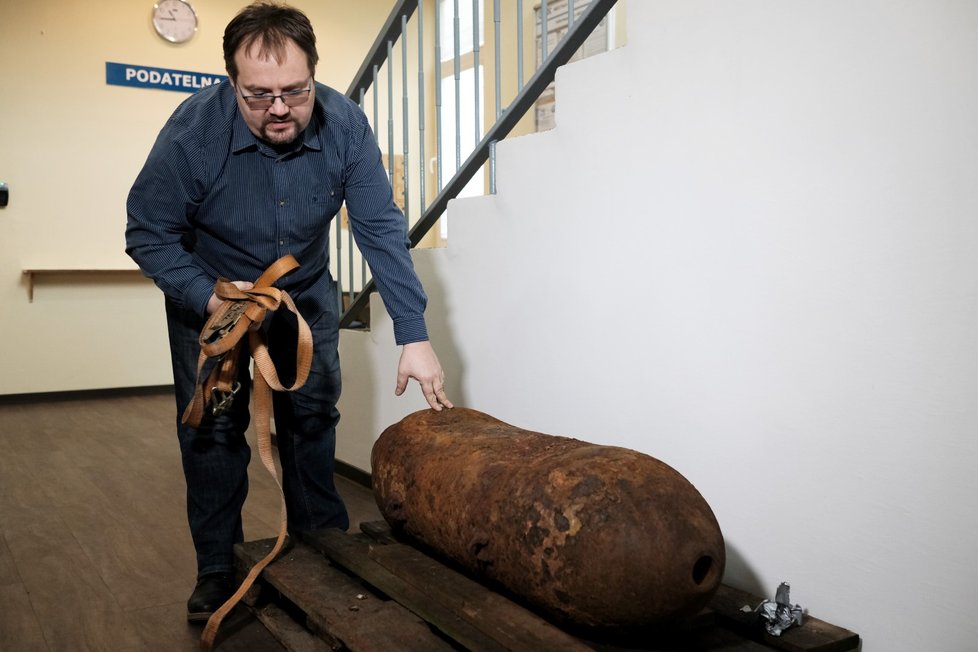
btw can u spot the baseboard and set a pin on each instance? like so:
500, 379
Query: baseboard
85, 394
353, 473
340, 468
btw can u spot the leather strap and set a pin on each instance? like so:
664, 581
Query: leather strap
220, 342
222, 335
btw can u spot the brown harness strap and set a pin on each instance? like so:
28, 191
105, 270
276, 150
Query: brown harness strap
222, 338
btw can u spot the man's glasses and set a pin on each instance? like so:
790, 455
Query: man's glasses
264, 101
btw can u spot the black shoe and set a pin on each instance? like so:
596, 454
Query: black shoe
210, 593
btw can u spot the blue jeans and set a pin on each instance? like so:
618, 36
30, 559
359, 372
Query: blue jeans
216, 455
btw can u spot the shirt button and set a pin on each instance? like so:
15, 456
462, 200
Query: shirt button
281, 202
281, 242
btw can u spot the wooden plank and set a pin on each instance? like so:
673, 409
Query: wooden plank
701, 633
465, 610
379, 531
329, 598
514, 626
353, 554
712, 639
813, 635
293, 636
520, 629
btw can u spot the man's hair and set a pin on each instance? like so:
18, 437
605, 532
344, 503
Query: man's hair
271, 26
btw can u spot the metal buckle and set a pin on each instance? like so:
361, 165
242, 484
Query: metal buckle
221, 401
227, 322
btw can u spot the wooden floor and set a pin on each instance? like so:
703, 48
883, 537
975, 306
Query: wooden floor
95, 552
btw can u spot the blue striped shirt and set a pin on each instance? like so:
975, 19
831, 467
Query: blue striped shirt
214, 201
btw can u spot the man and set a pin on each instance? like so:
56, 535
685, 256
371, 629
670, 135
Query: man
242, 174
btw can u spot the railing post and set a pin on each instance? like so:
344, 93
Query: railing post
405, 169
519, 44
475, 70
422, 172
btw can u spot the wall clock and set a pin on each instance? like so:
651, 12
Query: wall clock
174, 20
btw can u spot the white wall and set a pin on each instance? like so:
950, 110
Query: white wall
748, 249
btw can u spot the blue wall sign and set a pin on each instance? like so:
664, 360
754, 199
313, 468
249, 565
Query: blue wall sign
125, 74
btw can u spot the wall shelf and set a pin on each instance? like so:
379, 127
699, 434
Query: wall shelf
35, 273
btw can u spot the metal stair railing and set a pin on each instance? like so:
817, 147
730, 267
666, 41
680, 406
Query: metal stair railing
582, 18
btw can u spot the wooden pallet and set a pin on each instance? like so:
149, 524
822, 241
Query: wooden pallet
368, 592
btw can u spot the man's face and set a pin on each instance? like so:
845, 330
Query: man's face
278, 124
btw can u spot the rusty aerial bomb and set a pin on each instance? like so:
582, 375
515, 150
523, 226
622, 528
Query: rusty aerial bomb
593, 536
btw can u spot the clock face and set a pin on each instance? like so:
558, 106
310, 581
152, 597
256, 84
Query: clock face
174, 20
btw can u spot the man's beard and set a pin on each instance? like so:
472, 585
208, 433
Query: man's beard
280, 137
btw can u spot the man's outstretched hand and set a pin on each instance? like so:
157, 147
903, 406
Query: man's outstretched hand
418, 361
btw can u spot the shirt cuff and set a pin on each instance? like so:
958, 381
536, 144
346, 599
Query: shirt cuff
198, 294
410, 330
